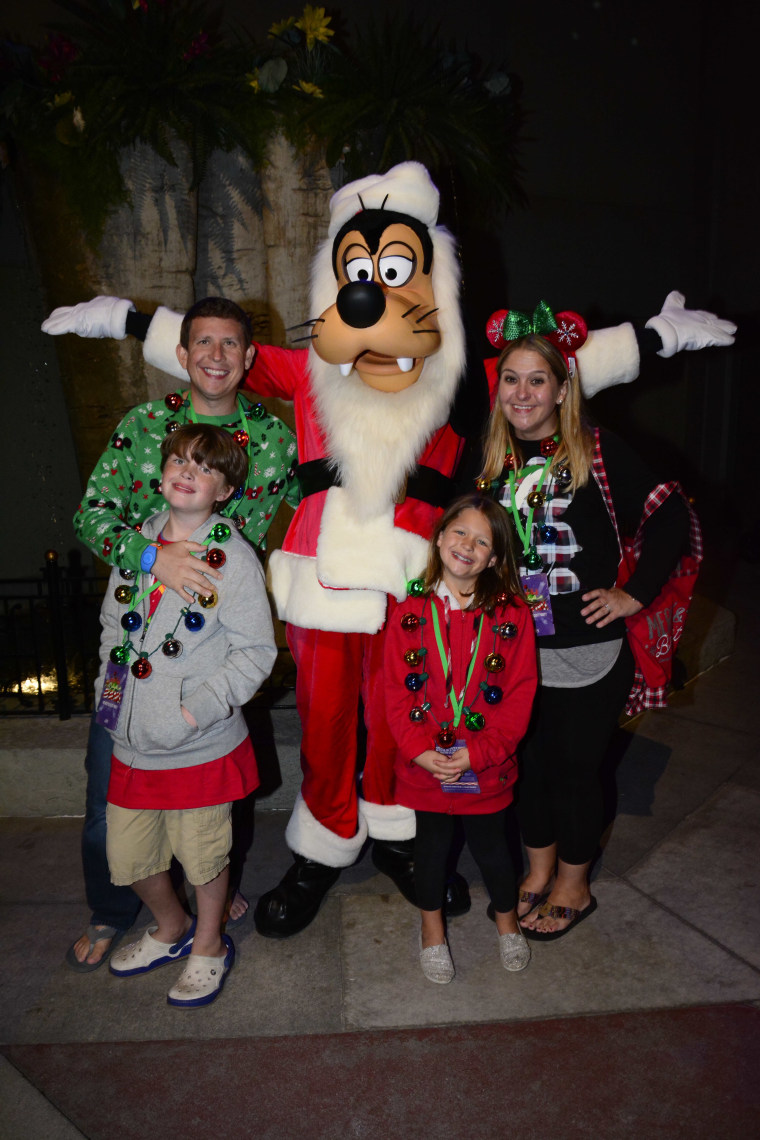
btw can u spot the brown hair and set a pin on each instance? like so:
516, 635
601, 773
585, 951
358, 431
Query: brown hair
220, 308
205, 443
576, 444
500, 578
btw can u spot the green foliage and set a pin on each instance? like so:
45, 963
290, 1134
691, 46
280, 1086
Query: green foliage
396, 94
159, 72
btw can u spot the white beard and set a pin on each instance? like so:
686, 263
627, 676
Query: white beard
375, 438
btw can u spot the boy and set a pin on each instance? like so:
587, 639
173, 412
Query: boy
173, 678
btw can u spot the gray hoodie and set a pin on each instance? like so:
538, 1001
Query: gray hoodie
220, 668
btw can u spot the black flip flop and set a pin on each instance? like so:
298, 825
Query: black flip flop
552, 935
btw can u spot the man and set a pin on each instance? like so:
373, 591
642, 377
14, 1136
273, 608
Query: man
124, 489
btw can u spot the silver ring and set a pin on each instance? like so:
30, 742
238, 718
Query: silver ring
606, 606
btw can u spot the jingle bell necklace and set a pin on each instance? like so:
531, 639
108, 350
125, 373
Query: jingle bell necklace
414, 682
131, 622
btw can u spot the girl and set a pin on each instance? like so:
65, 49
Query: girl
570, 490
460, 675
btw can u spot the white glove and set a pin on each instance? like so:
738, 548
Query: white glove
681, 328
101, 317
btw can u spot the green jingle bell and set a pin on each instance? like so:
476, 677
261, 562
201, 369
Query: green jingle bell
415, 588
123, 595
533, 560
220, 532
258, 411
474, 721
119, 655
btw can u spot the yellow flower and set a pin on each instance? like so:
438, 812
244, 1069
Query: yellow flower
282, 26
63, 98
308, 89
313, 24
252, 79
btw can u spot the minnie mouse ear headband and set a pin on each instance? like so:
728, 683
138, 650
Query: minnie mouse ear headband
567, 331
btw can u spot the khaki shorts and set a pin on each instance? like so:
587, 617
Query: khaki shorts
140, 843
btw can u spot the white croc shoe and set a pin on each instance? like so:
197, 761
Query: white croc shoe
202, 979
149, 954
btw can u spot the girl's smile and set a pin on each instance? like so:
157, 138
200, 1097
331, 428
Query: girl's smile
466, 550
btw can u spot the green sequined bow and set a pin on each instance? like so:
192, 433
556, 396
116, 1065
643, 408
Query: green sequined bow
520, 324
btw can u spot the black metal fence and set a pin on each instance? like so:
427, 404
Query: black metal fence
49, 638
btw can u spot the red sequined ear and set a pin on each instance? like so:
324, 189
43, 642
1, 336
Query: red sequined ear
570, 334
495, 326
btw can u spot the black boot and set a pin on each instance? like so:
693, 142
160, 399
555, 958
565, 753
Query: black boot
396, 860
294, 902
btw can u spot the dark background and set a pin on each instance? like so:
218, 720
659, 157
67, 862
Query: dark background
640, 162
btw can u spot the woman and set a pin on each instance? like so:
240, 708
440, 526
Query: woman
569, 490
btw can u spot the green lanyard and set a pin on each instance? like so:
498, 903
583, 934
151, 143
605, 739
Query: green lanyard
457, 705
525, 532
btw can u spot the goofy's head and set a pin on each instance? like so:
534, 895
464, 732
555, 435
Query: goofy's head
386, 284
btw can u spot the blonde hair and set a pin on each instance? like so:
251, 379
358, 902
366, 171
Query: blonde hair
576, 445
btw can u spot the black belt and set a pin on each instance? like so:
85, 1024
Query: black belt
424, 483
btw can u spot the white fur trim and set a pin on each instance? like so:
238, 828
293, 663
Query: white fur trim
160, 347
306, 836
388, 821
609, 357
302, 601
366, 553
405, 189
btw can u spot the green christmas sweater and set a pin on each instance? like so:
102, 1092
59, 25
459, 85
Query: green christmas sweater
123, 490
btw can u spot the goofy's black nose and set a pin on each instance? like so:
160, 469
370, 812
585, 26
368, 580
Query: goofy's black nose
361, 304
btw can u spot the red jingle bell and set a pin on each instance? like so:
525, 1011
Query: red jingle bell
240, 437
216, 557
141, 668
410, 621
447, 738
173, 401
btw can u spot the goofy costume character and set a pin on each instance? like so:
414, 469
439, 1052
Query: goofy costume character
383, 400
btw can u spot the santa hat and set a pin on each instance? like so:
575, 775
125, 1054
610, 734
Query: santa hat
405, 189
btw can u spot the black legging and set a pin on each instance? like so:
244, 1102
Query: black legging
559, 796
486, 837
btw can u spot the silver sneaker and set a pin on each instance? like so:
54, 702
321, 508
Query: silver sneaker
437, 965
514, 951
